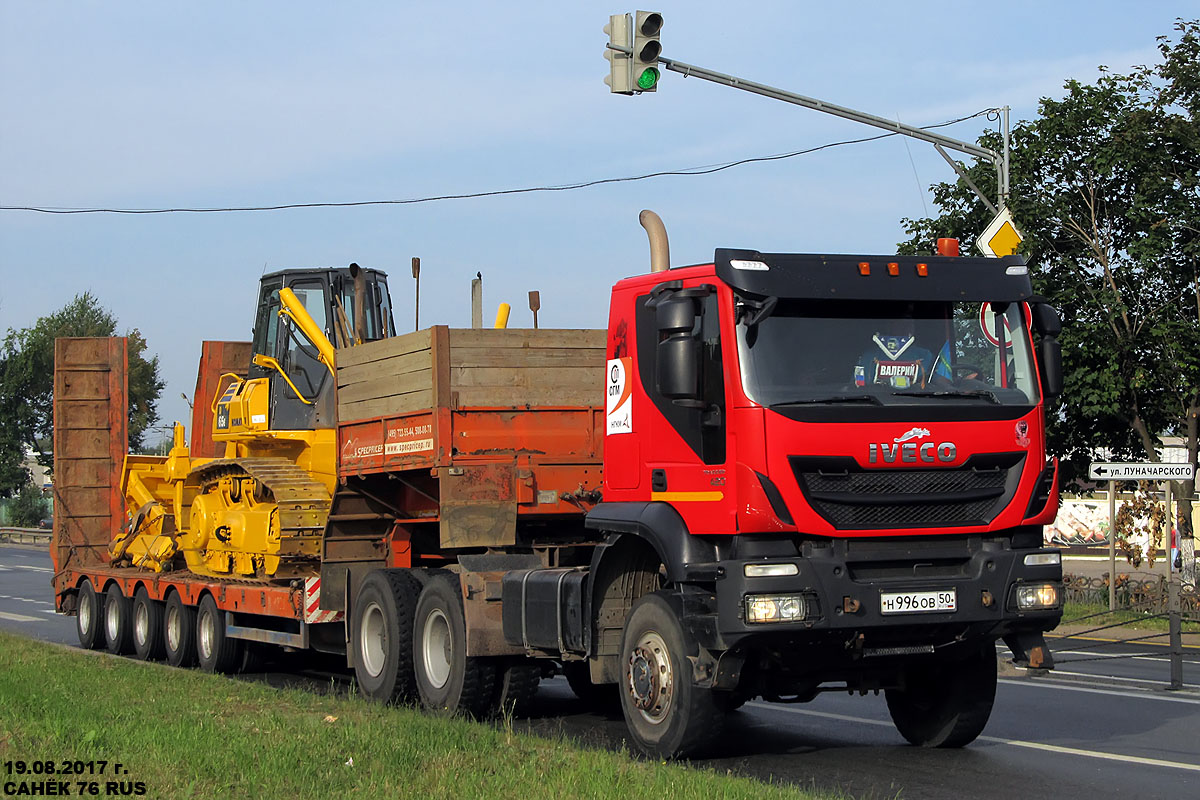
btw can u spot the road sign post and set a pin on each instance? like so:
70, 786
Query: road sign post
1148, 471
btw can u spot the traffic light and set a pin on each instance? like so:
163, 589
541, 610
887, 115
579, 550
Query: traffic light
646, 50
620, 76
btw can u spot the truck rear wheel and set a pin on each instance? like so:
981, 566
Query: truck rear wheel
118, 625
147, 626
448, 680
515, 686
88, 618
215, 651
946, 704
179, 632
668, 716
382, 635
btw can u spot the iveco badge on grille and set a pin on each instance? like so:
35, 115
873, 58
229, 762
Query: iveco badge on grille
912, 453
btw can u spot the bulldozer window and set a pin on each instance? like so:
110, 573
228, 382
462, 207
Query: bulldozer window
301, 361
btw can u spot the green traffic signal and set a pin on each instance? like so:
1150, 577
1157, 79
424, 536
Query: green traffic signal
648, 79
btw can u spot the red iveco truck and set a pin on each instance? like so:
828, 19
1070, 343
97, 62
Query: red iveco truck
774, 475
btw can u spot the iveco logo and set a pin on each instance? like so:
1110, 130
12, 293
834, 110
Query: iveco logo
911, 452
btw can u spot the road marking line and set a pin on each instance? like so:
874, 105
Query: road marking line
26, 566
1062, 637
1119, 678
1053, 748
18, 617
1042, 683
1095, 655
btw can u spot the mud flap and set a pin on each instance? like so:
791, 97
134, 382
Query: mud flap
1029, 650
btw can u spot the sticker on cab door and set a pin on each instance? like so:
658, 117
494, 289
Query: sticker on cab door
619, 404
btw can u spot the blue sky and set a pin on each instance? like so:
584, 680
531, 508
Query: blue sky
160, 104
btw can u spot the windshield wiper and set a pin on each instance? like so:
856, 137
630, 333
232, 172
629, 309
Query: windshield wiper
982, 394
833, 398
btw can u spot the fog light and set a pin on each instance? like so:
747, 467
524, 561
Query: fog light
770, 570
1037, 595
774, 607
1043, 559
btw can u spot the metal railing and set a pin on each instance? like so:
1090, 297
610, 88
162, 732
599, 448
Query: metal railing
36, 536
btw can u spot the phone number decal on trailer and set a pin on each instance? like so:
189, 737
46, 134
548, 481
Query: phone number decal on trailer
915, 602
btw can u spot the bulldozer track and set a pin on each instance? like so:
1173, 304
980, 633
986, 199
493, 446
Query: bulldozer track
303, 502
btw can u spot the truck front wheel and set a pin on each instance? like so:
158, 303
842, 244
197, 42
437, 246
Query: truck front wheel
382, 635
448, 680
668, 716
947, 703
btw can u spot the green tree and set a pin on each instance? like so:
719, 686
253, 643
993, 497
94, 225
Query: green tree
27, 384
28, 508
1106, 189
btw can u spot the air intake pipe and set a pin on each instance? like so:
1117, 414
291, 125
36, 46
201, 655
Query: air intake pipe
660, 252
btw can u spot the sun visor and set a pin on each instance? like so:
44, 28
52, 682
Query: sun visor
850, 277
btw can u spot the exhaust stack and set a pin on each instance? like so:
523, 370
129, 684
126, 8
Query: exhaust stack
660, 251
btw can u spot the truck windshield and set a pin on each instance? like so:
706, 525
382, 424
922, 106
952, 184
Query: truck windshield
889, 353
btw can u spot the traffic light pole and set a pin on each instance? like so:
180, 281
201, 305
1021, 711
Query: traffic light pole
940, 142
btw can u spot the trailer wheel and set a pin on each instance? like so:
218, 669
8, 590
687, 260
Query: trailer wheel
516, 684
88, 618
448, 680
179, 632
215, 651
118, 621
382, 635
946, 704
668, 716
147, 626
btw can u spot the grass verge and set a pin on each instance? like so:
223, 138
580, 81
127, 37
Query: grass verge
1096, 615
184, 734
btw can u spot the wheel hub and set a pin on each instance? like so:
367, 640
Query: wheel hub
141, 624
651, 682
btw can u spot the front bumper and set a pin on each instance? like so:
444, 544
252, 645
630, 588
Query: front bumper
843, 582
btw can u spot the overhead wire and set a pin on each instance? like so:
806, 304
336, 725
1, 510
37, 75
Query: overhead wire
687, 171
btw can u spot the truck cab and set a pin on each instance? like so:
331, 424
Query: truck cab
840, 463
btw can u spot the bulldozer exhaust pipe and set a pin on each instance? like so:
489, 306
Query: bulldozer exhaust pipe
360, 303
660, 251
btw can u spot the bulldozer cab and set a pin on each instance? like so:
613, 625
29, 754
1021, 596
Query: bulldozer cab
348, 305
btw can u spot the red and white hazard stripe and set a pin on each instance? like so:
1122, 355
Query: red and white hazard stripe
312, 604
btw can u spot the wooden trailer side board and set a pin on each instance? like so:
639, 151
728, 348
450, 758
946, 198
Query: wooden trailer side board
91, 425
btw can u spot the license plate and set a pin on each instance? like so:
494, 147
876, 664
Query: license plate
917, 602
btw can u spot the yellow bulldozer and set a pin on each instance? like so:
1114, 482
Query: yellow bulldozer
259, 511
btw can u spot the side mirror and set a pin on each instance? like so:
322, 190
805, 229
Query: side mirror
1050, 356
1046, 320
677, 373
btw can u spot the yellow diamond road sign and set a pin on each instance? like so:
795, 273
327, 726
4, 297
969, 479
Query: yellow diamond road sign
1000, 237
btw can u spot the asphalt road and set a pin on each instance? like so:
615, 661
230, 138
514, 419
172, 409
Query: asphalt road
1101, 727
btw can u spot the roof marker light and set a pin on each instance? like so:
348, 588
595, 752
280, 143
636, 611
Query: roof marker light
893, 269
923, 270
864, 268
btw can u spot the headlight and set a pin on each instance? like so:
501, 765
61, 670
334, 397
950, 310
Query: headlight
1043, 559
770, 570
1031, 596
775, 607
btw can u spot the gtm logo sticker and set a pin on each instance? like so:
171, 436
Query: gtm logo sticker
619, 396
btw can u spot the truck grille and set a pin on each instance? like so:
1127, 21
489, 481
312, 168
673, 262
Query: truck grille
850, 497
